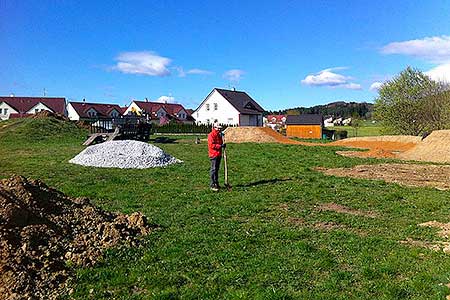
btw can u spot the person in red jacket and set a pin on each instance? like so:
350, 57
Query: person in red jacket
215, 145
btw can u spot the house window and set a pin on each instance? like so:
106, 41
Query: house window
215, 106
230, 120
5, 111
0, 111
36, 110
207, 106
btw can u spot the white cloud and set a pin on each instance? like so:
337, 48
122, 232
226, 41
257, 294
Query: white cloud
375, 86
331, 79
144, 62
183, 73
234, 75
166, 99
435, 49
440, 73
199, 72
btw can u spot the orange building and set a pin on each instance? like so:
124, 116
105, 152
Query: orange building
307, 126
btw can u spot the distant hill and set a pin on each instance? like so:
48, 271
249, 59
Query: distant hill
336, 109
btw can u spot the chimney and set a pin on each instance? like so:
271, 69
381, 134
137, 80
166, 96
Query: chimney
146, 99
84, 101
234, 89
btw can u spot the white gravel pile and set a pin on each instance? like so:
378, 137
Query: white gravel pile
125, 155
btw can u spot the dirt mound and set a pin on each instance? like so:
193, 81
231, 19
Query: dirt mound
42, 230
256, 135
388, 146
434, 148
405, 174
48, 114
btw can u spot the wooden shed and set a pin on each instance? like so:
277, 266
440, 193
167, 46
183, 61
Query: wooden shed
306, 126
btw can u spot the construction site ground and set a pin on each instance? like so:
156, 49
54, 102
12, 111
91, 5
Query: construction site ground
284, 231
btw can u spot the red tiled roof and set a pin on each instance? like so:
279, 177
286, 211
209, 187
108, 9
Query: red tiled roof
153, 107
278, 118
24, 104
18, 116
102, 109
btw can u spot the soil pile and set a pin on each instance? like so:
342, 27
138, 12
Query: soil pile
41, 230
255, 135
379, 146
48, 114
434, 148
437, 176
124, 154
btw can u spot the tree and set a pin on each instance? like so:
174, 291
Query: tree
356, 123
411, 104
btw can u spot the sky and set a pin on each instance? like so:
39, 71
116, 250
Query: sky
282, 53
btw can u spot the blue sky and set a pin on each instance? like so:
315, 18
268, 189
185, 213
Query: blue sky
283, 53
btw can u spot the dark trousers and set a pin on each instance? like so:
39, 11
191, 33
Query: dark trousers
214, 172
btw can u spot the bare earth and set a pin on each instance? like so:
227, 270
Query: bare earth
437, 176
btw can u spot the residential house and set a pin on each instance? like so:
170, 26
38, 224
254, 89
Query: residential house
306, 126
160, 113
328, 122
19, 107
276, 122
87, 111
229, 107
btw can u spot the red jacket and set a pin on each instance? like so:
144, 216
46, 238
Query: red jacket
214, 144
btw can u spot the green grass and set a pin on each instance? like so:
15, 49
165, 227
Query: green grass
258, 241
367, 129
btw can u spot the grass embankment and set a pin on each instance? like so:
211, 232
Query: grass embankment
265, 239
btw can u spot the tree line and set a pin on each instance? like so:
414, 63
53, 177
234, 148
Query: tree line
336, 109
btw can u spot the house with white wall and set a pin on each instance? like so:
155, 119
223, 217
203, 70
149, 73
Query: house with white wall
229, 107
84, 110
19, 107
160, 113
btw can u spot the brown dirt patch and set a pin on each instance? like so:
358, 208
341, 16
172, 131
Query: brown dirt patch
48, 114
444, 228
346, 210
437, 176
378, 147
41, 230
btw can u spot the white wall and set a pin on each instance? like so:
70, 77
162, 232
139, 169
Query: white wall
132, 108
225, 113
10, 110
71, 113
39, 107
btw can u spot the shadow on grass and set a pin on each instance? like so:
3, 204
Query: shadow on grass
164, 140
264, 181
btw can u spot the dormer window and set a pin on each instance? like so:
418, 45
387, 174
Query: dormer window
207, 107
215, 106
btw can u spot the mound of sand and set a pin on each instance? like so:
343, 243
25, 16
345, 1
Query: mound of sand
255, 135
41, 230
434, 148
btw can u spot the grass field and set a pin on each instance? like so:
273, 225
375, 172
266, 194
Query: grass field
367, 129
265, 239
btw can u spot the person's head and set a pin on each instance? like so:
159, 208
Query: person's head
217, 126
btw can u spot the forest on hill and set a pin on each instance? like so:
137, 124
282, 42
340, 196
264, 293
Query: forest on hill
336, 109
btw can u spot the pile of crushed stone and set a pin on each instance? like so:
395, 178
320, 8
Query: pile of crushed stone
42, 230
124, 154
